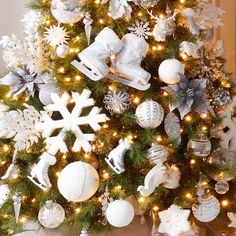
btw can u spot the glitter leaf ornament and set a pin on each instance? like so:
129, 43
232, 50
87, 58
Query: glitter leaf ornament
172, 127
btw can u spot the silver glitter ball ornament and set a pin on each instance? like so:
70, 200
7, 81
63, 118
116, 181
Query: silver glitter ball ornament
51, 215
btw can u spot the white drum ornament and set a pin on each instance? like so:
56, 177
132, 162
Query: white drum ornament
120, 213
45, 93
51, 215
169, 70
78, 181
62, 51
67, 11
207, 210
149, 114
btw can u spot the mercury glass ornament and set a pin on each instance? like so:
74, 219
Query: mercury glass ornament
51, 215
223, 158
222, 187
157, 154
200, 146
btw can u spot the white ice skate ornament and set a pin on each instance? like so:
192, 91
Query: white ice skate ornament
116, 157
155, 177
93, 58
190, 49
119, 8
126, 65
87, 26
189, 14
127, 56
39, 173
163, 27
70, 122
227, 131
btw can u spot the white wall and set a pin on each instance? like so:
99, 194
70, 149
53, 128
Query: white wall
11, 12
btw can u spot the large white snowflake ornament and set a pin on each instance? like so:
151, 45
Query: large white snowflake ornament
20, 125
56, 35
70, 122
174, 221
141, 29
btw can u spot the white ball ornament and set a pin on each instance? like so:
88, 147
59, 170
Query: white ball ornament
67, 11
207, 209
4, 194
62, 51
45, 93
149, 114
51, 215
78, 181
169, 70
120, 213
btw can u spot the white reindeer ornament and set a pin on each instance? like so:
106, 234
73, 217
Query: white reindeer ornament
116, 157
39, 173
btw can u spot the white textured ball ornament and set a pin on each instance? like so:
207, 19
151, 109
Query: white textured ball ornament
67, 11
120, 213
62, 51
169, 70
45, 93
207, 210
51, 215
78, 181
149, 114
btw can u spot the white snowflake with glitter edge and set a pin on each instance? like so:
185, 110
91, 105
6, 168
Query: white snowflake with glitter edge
56, 35
174, 221
20, 125
141, 29
70, 122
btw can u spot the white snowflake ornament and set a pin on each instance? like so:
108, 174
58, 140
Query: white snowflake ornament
174, 221
56, 35
70, 122
141, 29
20, 125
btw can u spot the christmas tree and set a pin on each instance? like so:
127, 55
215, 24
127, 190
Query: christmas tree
112, 109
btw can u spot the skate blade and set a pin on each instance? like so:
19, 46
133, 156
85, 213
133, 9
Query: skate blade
113, 167
116, 77
37, 183
8, 172
85, 70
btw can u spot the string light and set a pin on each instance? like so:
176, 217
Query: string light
140, 14
61, 70
5, 148
23, 219
155, 208
188, 118
224, 203
67, 79
106, 175
141, 200
204, 128
78, 77
57, 174
136, 100
192, 162
165, 94
204, 115
101, 21
118, 187
188, 195
97, 1
8, 95
64, 156
159, 138
182, 1
105, 126
77, 210
100, 199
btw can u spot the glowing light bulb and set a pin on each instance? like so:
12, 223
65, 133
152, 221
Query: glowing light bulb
225, 203
5, 148
77, 210
141, 200
188, 118
155, 208
188, 195
61, 70
192, 162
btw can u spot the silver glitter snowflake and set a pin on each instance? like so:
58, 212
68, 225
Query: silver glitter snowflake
116, 102
141, 29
